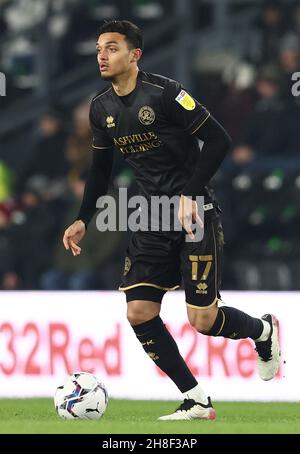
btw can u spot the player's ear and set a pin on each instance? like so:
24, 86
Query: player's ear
136, 55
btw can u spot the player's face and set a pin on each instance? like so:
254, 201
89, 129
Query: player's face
113, 55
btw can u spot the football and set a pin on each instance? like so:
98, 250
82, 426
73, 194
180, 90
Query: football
81, 396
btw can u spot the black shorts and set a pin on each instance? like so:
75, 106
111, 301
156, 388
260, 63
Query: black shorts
160, 261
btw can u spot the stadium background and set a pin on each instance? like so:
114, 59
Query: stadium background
237, 58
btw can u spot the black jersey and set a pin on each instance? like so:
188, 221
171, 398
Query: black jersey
153, 127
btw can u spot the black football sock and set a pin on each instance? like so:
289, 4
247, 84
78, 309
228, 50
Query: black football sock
235, 324
162, 349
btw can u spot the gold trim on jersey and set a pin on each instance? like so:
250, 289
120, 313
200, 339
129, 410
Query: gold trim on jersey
154, 85
148, 284
215, 301
101, 94
193, 132
222, 322
216, 260
101, 148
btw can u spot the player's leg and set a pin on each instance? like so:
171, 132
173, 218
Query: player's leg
226, 322
151, 268
235, 324
207, 318
158, 343
160, 346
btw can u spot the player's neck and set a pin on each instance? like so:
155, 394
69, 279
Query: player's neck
126, 83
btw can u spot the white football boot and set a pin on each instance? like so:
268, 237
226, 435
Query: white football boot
190, 409
268, 359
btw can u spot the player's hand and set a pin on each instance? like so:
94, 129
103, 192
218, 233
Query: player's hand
73, 235
188, 214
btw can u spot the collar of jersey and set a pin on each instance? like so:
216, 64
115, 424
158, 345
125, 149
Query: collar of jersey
132, 94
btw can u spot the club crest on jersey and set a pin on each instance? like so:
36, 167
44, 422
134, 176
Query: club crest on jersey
146, 115
110, 123
127, 266
185, 100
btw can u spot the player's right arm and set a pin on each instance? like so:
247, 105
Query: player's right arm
96, 184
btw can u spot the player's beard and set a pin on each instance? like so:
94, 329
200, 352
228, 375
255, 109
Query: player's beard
113, 77
106, 77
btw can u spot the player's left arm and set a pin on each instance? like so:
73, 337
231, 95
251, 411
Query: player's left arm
216, 144
188, 114
215, 147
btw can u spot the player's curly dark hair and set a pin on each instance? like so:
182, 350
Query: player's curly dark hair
133, 34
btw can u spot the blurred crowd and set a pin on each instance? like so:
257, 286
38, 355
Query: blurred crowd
252, 94
67, 27
258, 185
40, 201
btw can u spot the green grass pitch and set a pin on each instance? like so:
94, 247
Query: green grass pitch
37, 416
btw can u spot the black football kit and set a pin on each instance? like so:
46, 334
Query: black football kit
157, 128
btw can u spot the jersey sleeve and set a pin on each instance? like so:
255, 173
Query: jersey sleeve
182, 109
101, 139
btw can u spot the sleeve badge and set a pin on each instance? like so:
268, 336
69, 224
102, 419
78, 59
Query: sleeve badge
185, 100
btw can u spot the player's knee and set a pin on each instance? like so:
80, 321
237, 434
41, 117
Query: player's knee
137, 313
203, 320
202, 325
136, 318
